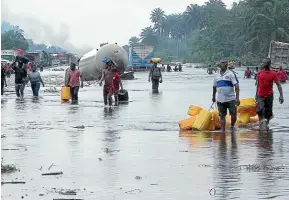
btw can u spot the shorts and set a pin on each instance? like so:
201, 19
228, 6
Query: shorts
265, 106
231, 105
107, 89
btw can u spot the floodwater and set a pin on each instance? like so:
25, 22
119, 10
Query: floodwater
135, 151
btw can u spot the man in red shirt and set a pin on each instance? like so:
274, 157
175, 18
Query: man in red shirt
265, 96
73, 82
116, 82
282, 75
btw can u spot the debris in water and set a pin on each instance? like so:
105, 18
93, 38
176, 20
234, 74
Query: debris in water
184, 151
8, 168
52, 173
68, 199
135, 191
40, 168
138, 177
81, 127
12, 182
154, 184
99, 159
50, 166
68, 192
41, 194
3, 136
212, 191
10, 149
107, 150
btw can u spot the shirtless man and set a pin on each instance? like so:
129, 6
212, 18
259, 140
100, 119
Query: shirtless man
107, 77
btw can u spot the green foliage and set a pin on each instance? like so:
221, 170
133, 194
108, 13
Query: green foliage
212, 32
14, 39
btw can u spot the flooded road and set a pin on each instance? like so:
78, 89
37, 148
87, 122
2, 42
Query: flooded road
135, 151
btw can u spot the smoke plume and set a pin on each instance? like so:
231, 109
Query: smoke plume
41, 32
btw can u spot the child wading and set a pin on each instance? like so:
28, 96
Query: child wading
35, 80
116, 83
73, 82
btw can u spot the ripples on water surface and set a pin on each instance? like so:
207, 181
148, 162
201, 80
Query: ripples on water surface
102, 150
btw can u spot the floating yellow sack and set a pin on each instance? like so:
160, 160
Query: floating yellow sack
65, 93
186, 124
244, 118
194, 110
254, 119
202, 120
247, 105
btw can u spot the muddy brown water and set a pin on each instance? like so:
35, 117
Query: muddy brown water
135, 151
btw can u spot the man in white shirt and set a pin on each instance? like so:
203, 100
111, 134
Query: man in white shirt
226, 85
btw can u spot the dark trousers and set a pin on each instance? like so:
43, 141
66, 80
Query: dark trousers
265, 106
2, 87
20, 89
155, 84
74, 93
35, 86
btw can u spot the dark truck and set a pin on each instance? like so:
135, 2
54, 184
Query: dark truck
279, 55
41, 58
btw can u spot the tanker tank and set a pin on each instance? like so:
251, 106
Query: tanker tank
91, 65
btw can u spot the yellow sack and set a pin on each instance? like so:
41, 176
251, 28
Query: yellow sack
247, 105
254, 119
202, 120
244, 118
186, 124
65, 93
194, 110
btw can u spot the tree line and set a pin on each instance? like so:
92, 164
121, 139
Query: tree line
212, 32
14, 37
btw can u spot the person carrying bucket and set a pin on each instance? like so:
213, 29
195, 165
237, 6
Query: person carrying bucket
116, 82
107, 77
227, 98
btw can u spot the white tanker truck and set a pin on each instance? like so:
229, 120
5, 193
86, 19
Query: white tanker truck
91, 65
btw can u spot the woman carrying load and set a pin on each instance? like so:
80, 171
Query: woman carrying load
35, 80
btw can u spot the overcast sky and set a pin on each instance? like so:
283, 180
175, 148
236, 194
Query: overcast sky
86, 23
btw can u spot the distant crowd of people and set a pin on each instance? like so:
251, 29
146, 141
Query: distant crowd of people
281, 73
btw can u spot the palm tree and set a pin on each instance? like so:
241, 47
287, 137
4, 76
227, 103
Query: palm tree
158, 17
193, 16
148, 36
133, 41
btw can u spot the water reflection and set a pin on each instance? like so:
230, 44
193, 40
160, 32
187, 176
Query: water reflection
72, 109
226, 174
265, 153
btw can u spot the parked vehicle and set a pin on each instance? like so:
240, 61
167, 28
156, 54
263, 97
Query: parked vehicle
139, 57
279, 55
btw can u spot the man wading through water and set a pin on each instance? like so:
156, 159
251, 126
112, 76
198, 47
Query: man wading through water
107, 77
73, 82
265, 96
20, 78
156, 76
227, 97
3, 79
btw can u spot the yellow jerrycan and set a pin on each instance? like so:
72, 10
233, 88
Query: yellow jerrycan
65, 93
186, 124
